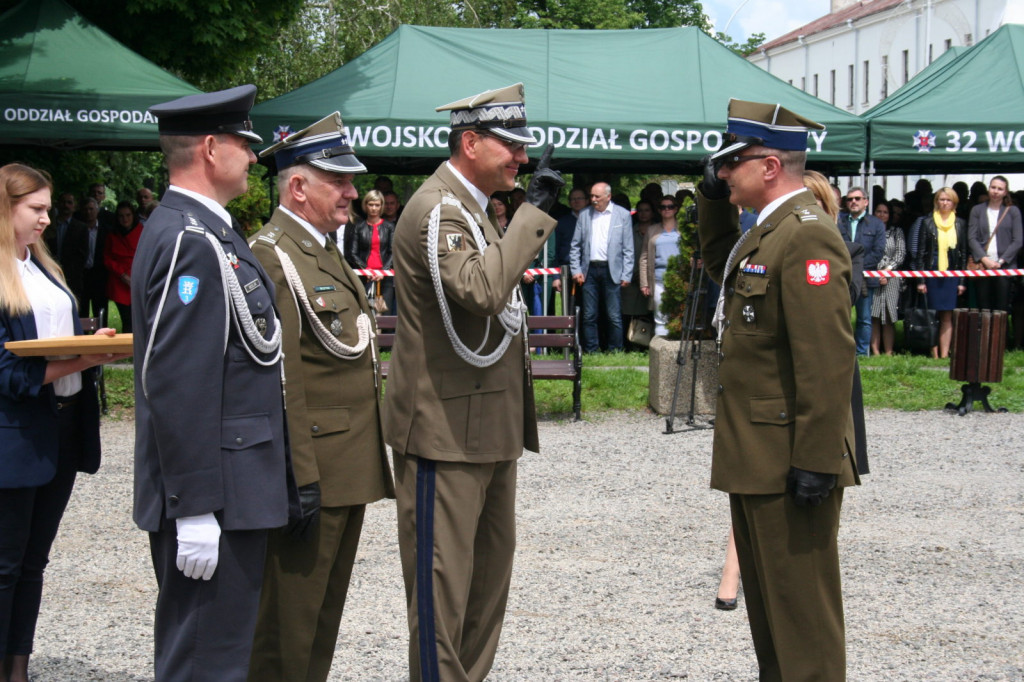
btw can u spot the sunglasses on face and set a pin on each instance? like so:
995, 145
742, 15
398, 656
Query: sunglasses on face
668, 207
731, 162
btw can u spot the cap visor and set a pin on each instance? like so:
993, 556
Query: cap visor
345, 163
734, 147
249, 135
520, 135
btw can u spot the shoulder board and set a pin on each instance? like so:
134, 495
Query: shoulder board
270, 236
806, 215
192, 224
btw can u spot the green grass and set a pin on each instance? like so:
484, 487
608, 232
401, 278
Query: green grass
618, 381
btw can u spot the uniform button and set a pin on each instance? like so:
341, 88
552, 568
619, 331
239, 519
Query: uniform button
174, 499
730, 291
316, 429
540, 233
721, 389
238, 441
477, 386
728, 323
721, 356
259, 305
748, 287
782, 415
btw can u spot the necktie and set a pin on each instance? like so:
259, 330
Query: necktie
719, 318
333, 250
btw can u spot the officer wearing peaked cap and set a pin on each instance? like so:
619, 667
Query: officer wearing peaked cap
459, 403
333, 405
211, 469
783, 430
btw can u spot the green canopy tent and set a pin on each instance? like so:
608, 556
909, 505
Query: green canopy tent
627, 101
961, 115
65, 83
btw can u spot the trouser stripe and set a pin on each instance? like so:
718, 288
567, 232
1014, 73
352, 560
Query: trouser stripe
425, 485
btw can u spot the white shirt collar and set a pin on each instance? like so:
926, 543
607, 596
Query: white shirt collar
767, 210
316, 234
481, 198
206, 201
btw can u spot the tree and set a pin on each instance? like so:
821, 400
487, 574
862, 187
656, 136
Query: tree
742, 49
196, 40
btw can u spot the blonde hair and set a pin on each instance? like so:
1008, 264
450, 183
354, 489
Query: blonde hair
822, 190
373, 195
17, 181
950, 194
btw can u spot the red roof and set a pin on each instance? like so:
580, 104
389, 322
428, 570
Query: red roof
858, 10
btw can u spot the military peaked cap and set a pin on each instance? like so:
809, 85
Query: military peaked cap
499, 112
764, 125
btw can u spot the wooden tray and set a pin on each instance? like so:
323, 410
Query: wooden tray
72, 345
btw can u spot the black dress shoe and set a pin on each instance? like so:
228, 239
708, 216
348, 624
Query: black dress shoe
726, 604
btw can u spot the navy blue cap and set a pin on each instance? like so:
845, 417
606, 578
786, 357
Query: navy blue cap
764, 125
323, 145
209, 113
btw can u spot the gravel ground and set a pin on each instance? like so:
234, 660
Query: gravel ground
620, 548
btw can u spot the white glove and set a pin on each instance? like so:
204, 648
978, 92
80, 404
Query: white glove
198, 545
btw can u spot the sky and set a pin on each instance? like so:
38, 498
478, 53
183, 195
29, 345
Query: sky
774, 18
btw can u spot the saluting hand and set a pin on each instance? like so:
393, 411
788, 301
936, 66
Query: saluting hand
545, 184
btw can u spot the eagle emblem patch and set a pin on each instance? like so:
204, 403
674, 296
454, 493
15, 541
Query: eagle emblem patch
454, 242
817, 272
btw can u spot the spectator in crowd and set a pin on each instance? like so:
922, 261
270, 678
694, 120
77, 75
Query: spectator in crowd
622, 199
392, 207
979, 193
94, 273
502, 208
564, 231
515, 199
994, 237
601, 261
49, 409
885, 304
862, 227
98, 191
963, 207
118, 255
67, 238
635, 303
651, 193
939, 242
145, 203
919, 200
662, 243
368, 246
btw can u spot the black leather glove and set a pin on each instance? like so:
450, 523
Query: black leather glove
545, 184
809, 488
309, 511
712, 187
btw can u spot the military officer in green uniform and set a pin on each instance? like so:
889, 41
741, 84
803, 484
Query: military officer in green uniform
459, 401
332, 405
783, 429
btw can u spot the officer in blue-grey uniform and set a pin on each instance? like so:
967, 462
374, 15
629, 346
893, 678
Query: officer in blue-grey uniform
211, 468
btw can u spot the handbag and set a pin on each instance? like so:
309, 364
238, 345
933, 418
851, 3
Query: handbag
380, 306
921, 326
976, 265
641, 330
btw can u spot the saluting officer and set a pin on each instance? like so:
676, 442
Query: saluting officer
459, 402
783, 428
332, 399
210, 462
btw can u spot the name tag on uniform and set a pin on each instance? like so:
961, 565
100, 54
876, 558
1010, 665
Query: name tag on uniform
252, 286
325, 288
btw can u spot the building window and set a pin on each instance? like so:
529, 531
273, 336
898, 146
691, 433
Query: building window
790, 81
948, 44
931, 49
850, 75
832, 85
885, 76
867, 67
815, 85
906, 66
968, 39
803, 83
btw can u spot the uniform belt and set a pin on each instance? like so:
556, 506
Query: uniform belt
66, 401
599, 262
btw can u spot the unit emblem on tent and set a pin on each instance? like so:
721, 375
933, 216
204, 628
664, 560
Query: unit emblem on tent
281, 132
924, 141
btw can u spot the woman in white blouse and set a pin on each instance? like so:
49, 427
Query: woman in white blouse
49, 417
995, 236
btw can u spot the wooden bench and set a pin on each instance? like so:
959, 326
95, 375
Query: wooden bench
559, 333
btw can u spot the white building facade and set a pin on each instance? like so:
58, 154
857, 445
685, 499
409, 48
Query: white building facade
862, 52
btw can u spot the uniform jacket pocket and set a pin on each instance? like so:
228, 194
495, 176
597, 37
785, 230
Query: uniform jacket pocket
240, 433
778, 410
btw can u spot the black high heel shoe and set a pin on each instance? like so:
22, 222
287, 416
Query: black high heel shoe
726, 604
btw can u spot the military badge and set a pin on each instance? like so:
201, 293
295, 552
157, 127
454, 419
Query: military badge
308, 244
455, 242
817, 272
261, 324
233, 259
188, 288
748, 314
319, 300
336, 326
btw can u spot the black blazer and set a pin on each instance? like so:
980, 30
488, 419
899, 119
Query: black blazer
924, 241
28, 410
358, 240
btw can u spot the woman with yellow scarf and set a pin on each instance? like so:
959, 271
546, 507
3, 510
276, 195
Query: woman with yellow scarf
939, 242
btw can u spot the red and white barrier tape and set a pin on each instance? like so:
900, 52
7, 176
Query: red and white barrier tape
943, 273
391, 273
